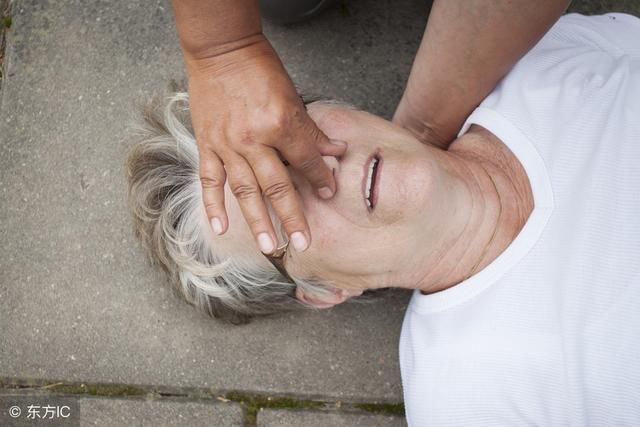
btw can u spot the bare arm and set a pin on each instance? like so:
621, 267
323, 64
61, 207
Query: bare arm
208, 28
467, 47
246, 115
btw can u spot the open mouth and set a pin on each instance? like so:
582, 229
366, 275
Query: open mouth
372, 168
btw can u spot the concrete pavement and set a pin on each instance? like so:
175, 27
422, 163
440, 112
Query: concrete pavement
79, 303
83, 315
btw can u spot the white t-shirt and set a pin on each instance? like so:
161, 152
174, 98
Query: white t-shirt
549, 333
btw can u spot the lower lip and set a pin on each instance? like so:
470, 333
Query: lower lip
376, 178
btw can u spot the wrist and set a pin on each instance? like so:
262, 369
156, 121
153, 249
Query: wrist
212, 27
230, 56
420, 122
209, 50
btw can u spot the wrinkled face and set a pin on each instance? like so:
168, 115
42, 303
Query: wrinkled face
375, 224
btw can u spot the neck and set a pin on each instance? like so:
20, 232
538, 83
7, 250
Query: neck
491, 192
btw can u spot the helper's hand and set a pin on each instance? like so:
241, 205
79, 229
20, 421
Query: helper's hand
247, 118
466, 49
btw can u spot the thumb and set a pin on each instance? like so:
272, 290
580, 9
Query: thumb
303, 153
334, 147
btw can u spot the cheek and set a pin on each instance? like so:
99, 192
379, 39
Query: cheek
339, 250
331, 239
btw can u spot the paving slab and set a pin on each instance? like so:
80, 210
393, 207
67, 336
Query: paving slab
78, 301
291, 418
113, 412
109, 412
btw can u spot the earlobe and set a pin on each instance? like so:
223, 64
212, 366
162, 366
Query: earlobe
337, 296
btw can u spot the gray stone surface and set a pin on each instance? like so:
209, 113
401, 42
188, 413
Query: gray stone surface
109, 412
78, 302
291, 418
112, 412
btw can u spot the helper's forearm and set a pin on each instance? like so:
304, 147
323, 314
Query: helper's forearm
468, 46
211, 27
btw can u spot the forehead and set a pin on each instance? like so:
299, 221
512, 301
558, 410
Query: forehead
345, 123
337, 119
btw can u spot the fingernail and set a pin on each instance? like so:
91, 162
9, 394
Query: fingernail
325, 193
216, 224
299, 241
338, 142
265, 243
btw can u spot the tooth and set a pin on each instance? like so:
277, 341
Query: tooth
372, 165
369, 176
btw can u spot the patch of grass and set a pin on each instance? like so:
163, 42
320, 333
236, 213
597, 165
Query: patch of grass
382, 408
109, 390
5, 24
254, 402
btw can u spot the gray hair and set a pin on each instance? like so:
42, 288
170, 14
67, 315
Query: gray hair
165, 200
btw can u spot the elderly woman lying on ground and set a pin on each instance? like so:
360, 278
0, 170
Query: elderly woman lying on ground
522, 240
406, 215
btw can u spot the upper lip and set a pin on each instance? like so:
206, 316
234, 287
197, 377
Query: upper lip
374, 157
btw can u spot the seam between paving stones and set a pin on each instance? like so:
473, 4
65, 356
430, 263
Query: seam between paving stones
6, 21
7, 8
251, 402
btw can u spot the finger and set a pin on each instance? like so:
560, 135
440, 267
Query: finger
276, 185
302, 153
245, 188
335, 148
212, 179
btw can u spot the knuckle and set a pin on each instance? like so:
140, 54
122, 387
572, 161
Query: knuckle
233, 138
255, 223
211, 206
208, 139
246, 137
315, 134
245, 191
202, 134
211, 182
277, 190
287, 114
279, 120
211, 149
290, 222
312, 163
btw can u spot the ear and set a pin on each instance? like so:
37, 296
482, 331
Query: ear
337, 296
